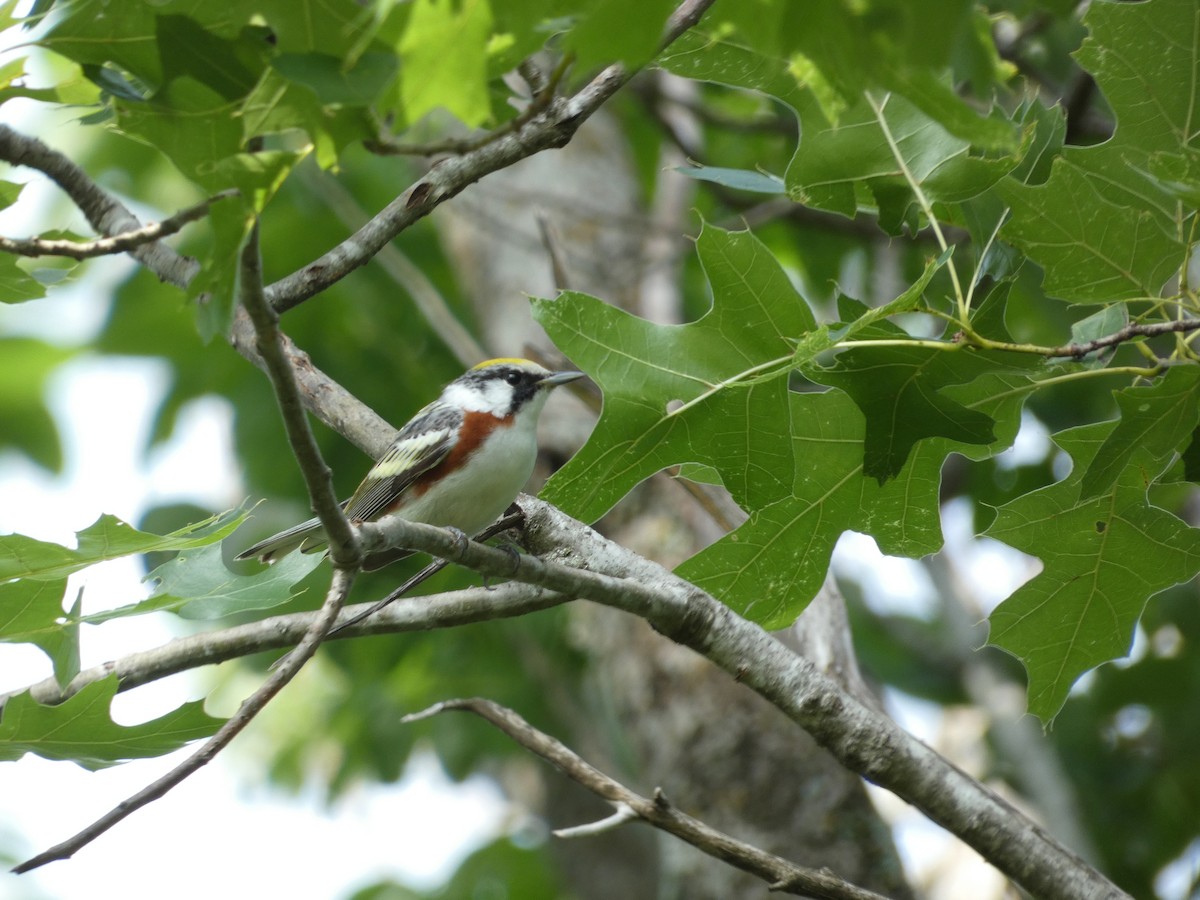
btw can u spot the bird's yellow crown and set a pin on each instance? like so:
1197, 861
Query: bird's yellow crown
502, 361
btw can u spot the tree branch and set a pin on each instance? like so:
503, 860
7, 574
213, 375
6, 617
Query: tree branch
124, 242
424, 613
552, 126
346, 557
779, 873
108, 215
1130, 331
860, 738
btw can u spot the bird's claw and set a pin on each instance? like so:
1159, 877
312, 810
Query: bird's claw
461, 541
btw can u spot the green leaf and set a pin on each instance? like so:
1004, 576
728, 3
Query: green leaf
770, 567
26, 425
304, 26
1134, 52
1155, 420
624, 31
95, 33
197, 585
1094, 246
721, 61
773, 565
229, 68
444, 54
326, 77
31, 612
16, 285
1102, 227
81, 729
107, 538
738, 179
728, 370
899, 390
835, 158
1103, 558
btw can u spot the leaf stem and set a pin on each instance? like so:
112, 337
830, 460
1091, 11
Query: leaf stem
964, 303
729, 382
1077, 376
902, 342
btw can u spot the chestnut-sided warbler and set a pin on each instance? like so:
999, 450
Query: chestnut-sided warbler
459, 462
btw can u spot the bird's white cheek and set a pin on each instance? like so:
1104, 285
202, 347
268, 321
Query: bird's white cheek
491, 397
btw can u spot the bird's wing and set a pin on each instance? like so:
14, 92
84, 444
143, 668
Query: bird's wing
421, 444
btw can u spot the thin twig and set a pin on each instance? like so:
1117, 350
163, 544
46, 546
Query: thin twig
558, 268
779, 873
1082, 349
427, 612
104, 212
124, 242
1130, 331
552, 126
316, 474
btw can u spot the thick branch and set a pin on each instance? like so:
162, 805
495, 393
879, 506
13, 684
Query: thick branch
860, 738
782, 875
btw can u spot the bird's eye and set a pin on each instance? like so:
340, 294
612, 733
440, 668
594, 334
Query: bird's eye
513, 378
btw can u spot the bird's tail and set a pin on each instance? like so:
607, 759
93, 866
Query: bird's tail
307, 537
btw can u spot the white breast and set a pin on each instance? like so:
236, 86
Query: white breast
473, 496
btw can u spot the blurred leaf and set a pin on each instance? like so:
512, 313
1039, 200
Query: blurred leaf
197, 585
107, 538
26, 423
618, 31
444, 53
326, 77
738, 179
16, 285
1129, 744
81, 730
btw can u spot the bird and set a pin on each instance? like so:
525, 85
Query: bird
457, 463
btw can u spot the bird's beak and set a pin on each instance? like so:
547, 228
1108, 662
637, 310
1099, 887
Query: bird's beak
551, 381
